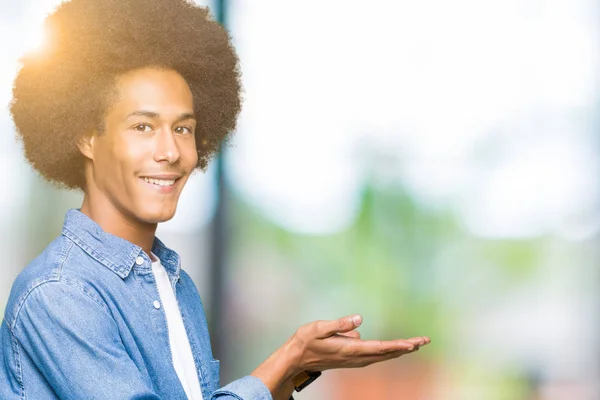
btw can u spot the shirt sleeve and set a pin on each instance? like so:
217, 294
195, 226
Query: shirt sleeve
74, 341
246, 388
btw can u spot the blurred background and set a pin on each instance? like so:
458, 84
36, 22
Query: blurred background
432, 165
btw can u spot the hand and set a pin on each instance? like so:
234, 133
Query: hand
287, 389
323, 345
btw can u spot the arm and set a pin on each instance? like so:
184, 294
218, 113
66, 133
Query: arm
318, 346
75, 344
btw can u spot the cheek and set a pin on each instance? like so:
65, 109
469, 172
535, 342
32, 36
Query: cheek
106, 158
121, 161
189, 157
133, 158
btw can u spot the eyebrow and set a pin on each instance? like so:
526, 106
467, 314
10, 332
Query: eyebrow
152, 114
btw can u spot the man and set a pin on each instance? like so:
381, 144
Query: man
128, 99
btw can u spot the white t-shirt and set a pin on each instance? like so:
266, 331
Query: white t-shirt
183, 360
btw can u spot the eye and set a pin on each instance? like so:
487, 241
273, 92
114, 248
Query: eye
184, 129
143, 128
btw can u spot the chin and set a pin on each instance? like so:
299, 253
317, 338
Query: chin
157, 216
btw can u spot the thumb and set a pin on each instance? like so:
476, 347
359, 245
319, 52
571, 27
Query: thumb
342, 325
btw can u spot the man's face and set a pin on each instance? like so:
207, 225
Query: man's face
148, 149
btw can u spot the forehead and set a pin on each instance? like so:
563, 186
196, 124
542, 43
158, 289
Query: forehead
160, 90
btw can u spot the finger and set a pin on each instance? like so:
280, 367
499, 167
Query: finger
426, 339
388, 356
352, 334
377, 347
368, 360
343, 325
419, 341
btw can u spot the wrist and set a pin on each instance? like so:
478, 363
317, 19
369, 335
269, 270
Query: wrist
280, 367
292, 352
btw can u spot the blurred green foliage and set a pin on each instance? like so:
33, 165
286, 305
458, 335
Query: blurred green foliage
401, 263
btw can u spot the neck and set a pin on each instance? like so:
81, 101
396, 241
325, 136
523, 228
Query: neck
100, 210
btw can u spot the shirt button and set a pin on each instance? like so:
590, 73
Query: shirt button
139, 260
156, 304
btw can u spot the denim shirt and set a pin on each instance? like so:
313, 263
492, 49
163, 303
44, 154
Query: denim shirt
83, 322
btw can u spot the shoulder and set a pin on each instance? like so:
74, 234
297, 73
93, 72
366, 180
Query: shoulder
185, 277
187, 293
187, 283
49, 273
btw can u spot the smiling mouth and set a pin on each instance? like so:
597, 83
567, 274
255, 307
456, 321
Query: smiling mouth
160, 182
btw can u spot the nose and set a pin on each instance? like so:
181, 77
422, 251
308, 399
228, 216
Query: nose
165, 148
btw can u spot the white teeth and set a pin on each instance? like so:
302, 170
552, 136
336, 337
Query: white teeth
160, 182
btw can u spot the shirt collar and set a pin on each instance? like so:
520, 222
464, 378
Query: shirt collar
115, 253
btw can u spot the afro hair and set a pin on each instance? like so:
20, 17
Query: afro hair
63, 92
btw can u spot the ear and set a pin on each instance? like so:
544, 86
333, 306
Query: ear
85, 144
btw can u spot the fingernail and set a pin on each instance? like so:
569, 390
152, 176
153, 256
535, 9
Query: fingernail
357, 319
